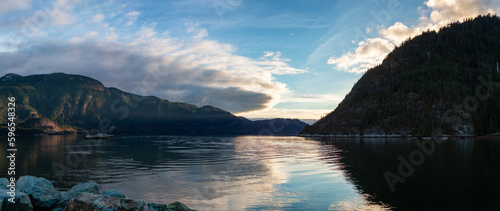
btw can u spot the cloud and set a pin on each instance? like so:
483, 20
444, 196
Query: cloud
84, 38
62, 12
98, 18
318, 105
10, 5
194, 69
398, 32
201, 34
316, 98
132, 17
439, 13
275, 63
366, 55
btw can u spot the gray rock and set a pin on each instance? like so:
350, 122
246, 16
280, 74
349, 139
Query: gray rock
40, 190
22, 201
3, 183
89, 187
91, 202
114, 193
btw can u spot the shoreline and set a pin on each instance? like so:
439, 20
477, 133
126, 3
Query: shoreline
443, 137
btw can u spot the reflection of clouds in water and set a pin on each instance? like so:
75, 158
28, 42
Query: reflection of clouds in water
247, 181
358, 202
243, 173
257, 177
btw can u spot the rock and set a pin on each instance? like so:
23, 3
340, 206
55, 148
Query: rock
40, 190
114, 193
158, 207
3, 183
177, 206
91, 202
89, 187
22, 201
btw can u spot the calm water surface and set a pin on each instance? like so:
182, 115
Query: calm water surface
273, 173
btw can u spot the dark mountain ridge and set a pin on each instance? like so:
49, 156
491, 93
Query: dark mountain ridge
64, 103
437, 83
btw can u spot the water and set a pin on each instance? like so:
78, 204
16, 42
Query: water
273, 173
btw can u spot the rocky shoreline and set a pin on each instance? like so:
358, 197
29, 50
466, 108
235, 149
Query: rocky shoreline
37, 193
441, 137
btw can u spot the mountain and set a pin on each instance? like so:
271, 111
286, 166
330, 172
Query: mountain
437, 83
64, 103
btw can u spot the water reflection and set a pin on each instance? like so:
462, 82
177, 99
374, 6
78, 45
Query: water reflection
458, 175
207, 173
268, 173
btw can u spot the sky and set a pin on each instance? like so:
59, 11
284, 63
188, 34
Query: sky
254, 58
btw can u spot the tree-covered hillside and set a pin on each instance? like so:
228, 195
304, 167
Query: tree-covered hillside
443, 82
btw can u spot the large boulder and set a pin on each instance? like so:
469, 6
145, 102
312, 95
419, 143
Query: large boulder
40, 190
88, 187
114, 193
22, 201
91, 202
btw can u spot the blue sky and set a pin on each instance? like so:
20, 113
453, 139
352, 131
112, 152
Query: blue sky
259, 59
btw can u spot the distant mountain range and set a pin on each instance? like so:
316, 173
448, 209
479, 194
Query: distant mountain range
63, 103
438, 83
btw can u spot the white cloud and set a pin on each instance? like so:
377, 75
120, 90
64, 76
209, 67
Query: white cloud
315, 106
62, 12
88, 36
398, 32
286, 113
62, 17
9, 5
314, 98
201, 34
132, 17
368, 54
277, 64
372, 51
98, 18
